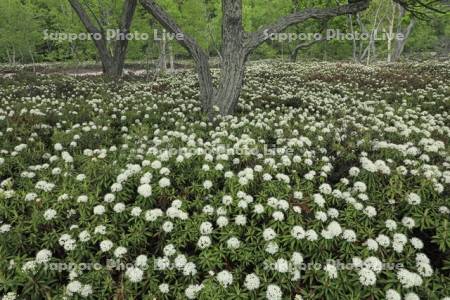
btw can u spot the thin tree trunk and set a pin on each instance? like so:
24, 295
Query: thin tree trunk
402, 42
368, 55
147, 61
362, 53
370, 51
32, 60
9, 56
391, 32
162, 54
171, 59
352, 30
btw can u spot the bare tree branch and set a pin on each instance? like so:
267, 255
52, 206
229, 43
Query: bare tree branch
258, 37
305, 45
415, 7
299, 46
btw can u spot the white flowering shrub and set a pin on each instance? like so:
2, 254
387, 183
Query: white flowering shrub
330, 182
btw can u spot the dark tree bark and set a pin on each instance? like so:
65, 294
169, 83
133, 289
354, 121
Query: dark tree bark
112, 61
236, 47
234, 56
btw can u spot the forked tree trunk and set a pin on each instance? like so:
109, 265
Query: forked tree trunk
236, 47
112, 61
400, 44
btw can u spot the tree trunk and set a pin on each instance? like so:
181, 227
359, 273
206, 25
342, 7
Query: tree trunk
147, 61
391, 32
171, 59
402, 42
112, 61
369, 52
362, 54
162, 54
121, 46
236, 46
32, 60
9, 56
354, 48
400, 45
234, 57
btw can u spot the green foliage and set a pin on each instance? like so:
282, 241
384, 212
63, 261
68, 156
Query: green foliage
19, 31
23, 23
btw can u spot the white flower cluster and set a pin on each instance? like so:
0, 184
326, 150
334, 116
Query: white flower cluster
141, 176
